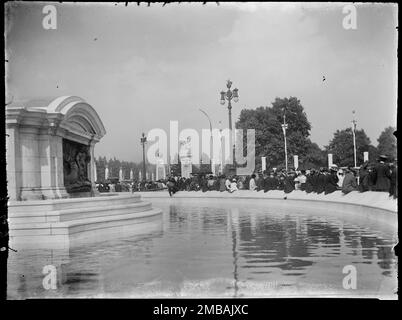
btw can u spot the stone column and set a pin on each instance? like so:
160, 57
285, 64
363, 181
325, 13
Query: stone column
58, 165
30, 164
91, 169
131, 174
13, 152
47, 156
95, 172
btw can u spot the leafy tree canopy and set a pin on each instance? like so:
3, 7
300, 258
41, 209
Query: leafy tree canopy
269, 138
387, 143
341, 146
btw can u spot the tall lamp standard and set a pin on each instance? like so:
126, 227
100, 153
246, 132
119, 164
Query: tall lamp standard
229, 95
221, 148
354, 137
210, 141
143, 142
284, 127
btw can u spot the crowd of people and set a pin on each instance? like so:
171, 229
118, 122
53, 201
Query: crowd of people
125, 186
379, 177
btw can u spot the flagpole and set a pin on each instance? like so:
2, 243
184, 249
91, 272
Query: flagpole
354, 138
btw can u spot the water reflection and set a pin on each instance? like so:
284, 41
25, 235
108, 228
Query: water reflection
218, 249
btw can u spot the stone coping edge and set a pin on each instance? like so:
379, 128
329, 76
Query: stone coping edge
280, 196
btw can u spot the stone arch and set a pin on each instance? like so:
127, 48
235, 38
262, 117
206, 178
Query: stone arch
78, 116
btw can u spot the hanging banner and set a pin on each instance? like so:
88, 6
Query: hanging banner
330, 163
296, 161
365, 156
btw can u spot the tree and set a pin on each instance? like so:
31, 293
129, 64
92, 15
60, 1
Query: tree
114, 168
315, 157
341, 146
387, 143
269, 139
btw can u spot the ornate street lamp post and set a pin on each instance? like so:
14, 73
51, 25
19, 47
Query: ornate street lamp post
229, 95
144, 170
210, 142
284, 128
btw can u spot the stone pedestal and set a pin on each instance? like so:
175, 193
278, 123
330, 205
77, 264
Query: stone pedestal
186, 167
160, 169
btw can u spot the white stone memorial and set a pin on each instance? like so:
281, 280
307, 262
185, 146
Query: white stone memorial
50, 148
51, 177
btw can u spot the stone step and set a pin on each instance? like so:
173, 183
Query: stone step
72, 203
81, 213
80, 225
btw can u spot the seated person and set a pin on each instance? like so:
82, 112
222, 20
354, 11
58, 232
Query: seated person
349, 182
233, 186
253, 185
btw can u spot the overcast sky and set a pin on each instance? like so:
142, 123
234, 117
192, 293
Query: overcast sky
140, 66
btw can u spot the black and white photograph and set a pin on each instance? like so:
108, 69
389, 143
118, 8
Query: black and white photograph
200, 150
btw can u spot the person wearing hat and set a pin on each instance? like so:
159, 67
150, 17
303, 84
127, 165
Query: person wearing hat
171, 184
252, 184
382, 175
320, 181
340, 175
331, 180
302, 179
364, 177
233, 186
349, 182
260, 182
309, 182
222, 183
227, 184
288, 183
